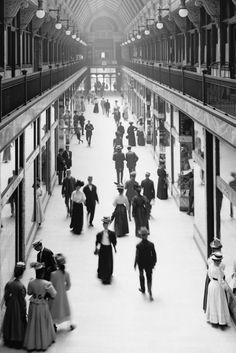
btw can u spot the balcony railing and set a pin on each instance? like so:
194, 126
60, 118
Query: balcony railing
220, 93
16, 92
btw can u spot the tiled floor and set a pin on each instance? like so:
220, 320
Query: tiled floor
117, 318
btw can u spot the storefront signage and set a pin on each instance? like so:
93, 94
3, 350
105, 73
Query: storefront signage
226, 190
186, 139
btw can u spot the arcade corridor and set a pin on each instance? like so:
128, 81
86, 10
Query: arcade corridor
117, 318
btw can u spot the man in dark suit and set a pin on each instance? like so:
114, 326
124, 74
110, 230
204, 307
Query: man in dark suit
146, 259
131, 159
90, 191
45, 256
107, 107
61, 165
67, 155
89, 131
148, 191
68, 186
119, 159
82, 121
103, 247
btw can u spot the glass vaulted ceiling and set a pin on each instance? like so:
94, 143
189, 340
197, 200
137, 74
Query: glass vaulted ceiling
123, 10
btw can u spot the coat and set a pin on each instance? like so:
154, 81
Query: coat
68, 186
61, 163
91, 196
131, 159
48, 260
67, 155
145, 256
119, 159
148, 189
89, 129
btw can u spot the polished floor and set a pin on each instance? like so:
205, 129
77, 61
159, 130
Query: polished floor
117, 318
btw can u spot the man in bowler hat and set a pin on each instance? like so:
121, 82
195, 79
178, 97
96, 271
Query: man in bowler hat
148, 191
146, 259
45, 256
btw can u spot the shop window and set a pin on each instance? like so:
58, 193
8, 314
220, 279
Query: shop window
29, 198
43, 123
7, 160
29, 140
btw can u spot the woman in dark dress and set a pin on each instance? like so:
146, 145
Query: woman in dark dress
140, 210
162, 193
77, 218
121, 205
131, 135
14, 322
103, 247
140, 134
117, 141
96, 109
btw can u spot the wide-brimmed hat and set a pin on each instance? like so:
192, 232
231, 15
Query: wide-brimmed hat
120, 187
147, 174
79, 183
106, 220
143, 231
37, 243
216, 244
118, 148
60, 259
217, 256
20, 264
133, 173
37, 265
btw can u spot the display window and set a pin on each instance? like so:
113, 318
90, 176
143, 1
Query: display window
7, 160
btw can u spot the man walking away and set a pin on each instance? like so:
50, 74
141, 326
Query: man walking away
90, 191
82, 121
149, 191
61, 165
119, 159
131, 160
145, 258
107, 107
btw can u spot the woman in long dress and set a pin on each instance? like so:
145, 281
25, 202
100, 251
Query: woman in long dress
59, 306
140, 135
96, 109
162, 192
121, 205
131, 135
217, 311
39, 216
14, 321
78, 199
215, 246
40, 332
140, 210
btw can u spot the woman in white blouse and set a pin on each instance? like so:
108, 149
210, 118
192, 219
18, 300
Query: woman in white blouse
77, 213
121, 205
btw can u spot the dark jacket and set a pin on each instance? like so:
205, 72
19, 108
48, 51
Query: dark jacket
145, 254
67, 155
68, 186
119, 159
112, 238
148, 189
81, 120
48, 260
107, 105
131, 159
91, 196
89, 129
61, 163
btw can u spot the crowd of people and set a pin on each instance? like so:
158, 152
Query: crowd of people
49, 305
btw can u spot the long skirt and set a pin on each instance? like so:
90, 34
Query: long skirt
105, 263
207, 281
96, 109
141, 139
162, 192
77, 218
40, 333
131, 139
217, 311
121, 221
14, 324
141, 220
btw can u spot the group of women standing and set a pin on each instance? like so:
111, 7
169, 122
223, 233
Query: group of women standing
48, 306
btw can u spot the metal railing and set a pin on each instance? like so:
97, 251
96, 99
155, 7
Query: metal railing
16, 92
218, 92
